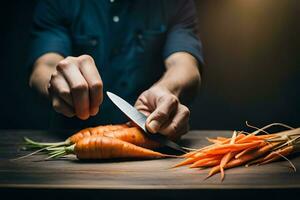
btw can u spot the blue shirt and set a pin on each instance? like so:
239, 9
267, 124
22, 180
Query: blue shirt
128, 39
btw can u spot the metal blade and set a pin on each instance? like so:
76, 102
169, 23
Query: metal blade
140, 119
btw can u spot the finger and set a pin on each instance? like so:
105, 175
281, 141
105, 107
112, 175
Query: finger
62, 107
180, 133
143, 109
161, 114
142, 100
142, 105
59, 86
78, 85
92, 76
179, 124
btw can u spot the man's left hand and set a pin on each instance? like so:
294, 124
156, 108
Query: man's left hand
166, 114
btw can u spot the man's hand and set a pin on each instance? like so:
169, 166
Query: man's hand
161, 104
165, 113
75, 87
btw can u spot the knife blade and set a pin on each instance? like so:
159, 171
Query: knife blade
140, 120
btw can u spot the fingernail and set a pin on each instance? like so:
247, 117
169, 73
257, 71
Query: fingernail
94, 111
154, 126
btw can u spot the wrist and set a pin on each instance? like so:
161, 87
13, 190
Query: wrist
163, 86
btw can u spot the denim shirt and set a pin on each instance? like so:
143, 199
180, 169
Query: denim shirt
128, 39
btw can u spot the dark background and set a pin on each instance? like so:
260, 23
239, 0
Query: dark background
252, 72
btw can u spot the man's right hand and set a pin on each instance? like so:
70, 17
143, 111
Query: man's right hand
75, 87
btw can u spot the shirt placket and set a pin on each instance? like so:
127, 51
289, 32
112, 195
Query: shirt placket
118, 34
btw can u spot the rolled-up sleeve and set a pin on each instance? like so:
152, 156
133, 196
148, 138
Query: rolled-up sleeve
182, 34
49, 31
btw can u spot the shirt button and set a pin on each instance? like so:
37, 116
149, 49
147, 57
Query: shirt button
116, 19
94, 42
140, 36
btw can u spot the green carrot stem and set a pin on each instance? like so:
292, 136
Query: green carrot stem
57, 155
44, 144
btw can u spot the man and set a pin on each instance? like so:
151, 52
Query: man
145, 51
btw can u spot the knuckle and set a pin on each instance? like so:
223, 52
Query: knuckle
80, 87
62, 65
63, 92
85, 58
97, 85
173, 100
69, 58
66, 63
161, 114
186, 112
173, 128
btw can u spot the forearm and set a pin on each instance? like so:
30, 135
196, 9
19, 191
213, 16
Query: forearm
182, 76
43, 68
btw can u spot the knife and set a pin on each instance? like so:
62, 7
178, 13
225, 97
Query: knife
140, 120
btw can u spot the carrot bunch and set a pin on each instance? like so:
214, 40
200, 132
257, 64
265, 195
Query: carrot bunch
101, 142
244, 149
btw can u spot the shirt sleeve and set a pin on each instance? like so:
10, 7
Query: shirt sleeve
49, 31
182, 33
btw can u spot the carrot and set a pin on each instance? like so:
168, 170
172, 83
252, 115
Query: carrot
227, 157
206, 162
275, 155
232, 163
99, 147
99, 130
210, 163
231, 147
186, 162
222, 138
191, 154
134, 136
247, 151
243, 159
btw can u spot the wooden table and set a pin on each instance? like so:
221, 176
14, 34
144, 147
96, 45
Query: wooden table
135, 179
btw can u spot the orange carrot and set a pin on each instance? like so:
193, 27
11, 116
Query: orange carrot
275, 155
134, 136
189, 160
222, 138
206, 162
227, 157
99, 130
210, 163
99, 147
243, 159
245, 151
231, 147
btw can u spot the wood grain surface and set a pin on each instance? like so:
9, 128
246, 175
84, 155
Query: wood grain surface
68, 173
